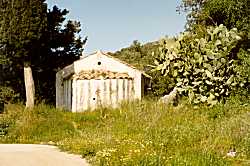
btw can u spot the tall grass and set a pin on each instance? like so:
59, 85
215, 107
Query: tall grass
139, 133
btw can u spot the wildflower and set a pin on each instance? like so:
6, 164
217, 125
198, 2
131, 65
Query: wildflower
231, 153
137, 151
112, 150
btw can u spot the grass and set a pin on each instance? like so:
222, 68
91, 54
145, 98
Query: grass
139, 133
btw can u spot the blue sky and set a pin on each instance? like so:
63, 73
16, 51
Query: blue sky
114, 24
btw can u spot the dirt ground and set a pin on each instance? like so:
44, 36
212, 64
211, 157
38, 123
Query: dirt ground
37, 155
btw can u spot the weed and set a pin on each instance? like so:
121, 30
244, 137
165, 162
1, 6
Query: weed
138, 133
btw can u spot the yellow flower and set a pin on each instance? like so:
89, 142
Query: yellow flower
137, 151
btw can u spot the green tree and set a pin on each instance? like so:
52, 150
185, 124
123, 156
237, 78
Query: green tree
142, 56
61, 46
22, 24
231, 13
58, 45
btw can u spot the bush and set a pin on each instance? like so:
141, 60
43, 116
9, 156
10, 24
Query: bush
7, 94
204, 67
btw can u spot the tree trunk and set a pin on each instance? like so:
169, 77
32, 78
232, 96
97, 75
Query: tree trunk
29, 87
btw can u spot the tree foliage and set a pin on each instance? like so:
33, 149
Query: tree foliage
21, 27
137, 54
22, 23
142, 57
62, 45
40, 37
231, 13
203, 67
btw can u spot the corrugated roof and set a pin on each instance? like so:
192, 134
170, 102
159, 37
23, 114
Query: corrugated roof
99, 75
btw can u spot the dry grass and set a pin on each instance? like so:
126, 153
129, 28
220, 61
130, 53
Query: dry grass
140, 133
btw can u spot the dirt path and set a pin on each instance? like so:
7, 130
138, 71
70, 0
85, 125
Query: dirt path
37, 155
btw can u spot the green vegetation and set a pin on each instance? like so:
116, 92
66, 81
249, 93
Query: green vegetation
209, 63
21, 27
32, 35
231, 13
211, 60
139, 133
142, 56
203, 67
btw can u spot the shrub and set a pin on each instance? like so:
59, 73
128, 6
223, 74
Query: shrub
7, 94
203, 66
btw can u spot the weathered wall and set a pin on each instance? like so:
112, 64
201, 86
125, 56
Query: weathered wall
60, 77
93, 93
67, 92
99, 61
84, 94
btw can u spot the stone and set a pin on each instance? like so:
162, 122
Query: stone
171, 98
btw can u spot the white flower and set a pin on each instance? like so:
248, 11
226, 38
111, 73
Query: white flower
231, 153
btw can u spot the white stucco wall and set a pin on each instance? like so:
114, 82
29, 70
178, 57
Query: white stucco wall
110, 64
110, 91
93, 93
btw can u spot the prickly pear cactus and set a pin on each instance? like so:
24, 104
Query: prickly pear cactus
203, 67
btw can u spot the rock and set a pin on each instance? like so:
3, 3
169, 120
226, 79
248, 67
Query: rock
171, 98
43, 143
48, 143
51, 143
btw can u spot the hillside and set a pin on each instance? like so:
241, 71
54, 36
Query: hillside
142, 56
